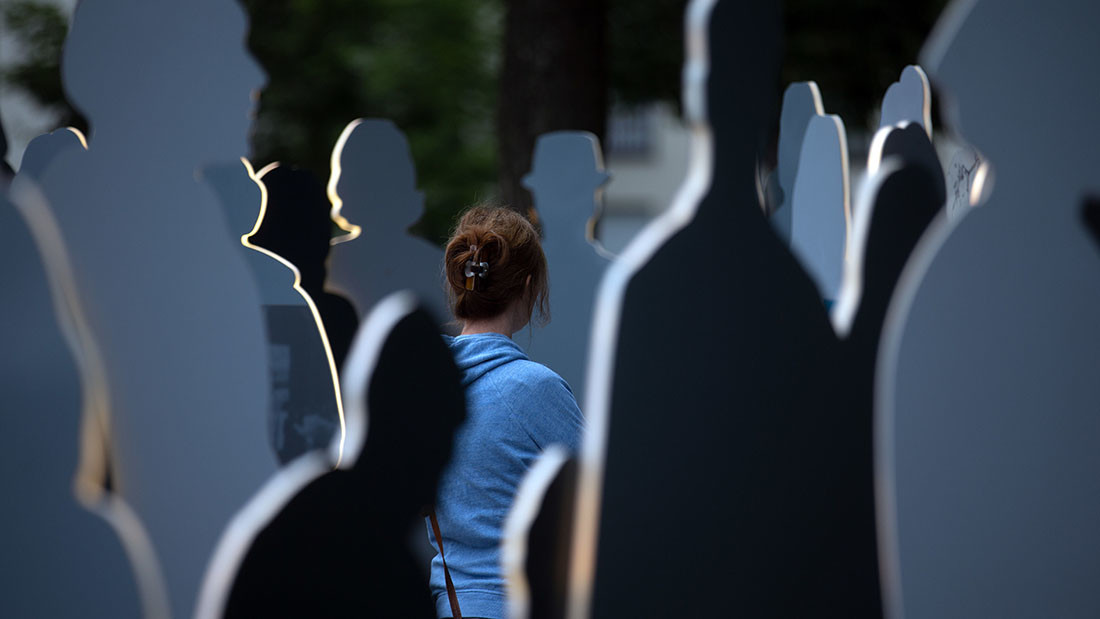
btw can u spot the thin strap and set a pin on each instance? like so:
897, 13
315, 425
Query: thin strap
451, 595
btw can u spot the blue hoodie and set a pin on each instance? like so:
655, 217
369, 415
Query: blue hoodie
516, 408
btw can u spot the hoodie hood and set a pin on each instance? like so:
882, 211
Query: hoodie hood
477, 355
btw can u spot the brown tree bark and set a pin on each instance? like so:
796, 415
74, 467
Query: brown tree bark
554, 77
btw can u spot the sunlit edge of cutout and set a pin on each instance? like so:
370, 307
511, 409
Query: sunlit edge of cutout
599, 209
529, 500
926, 99
845, 176
333, 371
977, 187
815, 94
353, 231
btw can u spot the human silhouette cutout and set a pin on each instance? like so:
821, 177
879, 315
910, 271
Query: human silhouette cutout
987, 399
337, 546
713, 449
305, 398
168, 296
377, 201
908, 100
801, 102
535, 549
95, 461
565, 182
42, 150
901, 198
297, 227
58, 535
820, 204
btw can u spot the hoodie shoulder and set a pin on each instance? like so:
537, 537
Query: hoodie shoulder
542, 402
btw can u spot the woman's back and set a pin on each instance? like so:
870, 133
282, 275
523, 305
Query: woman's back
517, 408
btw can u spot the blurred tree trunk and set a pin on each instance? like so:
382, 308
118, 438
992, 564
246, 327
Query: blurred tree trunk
553, 77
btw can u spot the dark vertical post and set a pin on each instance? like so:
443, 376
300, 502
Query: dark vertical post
554, 77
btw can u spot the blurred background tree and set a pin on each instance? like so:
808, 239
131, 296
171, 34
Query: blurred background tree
428, 65
473, 82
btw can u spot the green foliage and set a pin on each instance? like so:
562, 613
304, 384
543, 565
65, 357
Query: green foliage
40, 30
428, 65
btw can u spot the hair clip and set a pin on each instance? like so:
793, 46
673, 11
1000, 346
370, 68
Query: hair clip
480, 269
473, 267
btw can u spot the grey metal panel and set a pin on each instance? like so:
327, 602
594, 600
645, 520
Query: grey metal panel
566, 182
167, 295
375, 185
989, 433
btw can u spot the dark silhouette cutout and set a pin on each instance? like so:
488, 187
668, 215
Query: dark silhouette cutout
377, 187
904, 206
738, 459
298, 228
59, 558
339, 547
548, 548
305, 413
911, 192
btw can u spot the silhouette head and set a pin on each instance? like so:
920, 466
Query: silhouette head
296, 225
241, 196
908, 99
910, 142
43, 149
731, 46
174, 75
377, 182
411, 428
565, 160
801, 102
